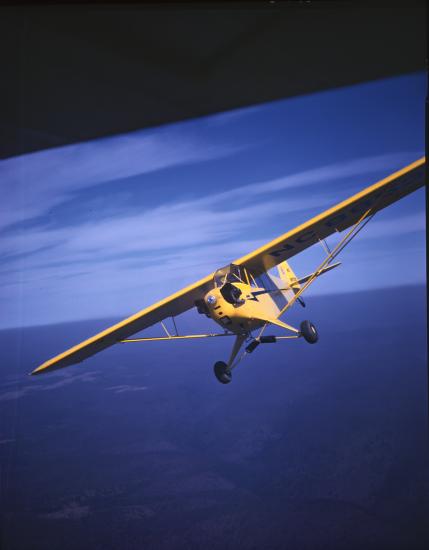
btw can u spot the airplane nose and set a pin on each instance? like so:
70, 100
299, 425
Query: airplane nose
231, 294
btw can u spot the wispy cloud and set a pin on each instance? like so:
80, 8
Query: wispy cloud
72, 510
318, 176
123, 261
33, 184
203, 220
177, 225
35, 386
392, 228
126, 388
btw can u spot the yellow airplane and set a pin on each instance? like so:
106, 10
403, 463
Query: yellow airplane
243, 297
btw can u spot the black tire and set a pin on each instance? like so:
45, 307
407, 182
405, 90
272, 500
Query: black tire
309, 332
222, 372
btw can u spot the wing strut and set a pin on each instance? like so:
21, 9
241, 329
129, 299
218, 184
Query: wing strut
170, 337
165, 329
325, 246
350, 235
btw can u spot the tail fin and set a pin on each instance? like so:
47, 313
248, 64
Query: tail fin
293, 284
290, 281
288, 277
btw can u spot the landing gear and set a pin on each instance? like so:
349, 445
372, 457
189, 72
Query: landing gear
309, 332
222, 372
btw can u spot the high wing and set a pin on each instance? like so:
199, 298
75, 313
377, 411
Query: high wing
337, 218
173, 305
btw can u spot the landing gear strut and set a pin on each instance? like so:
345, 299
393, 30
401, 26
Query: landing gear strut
309, 332
223, 371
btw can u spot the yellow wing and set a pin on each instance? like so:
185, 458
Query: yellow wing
171, 306
338, 218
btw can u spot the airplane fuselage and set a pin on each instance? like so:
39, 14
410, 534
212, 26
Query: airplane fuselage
254, 308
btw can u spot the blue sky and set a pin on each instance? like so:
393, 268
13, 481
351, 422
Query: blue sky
106, 227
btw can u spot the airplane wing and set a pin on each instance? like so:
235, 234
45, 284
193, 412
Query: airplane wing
337, 218
169, 307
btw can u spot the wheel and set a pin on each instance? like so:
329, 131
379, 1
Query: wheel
309, 332
222, 372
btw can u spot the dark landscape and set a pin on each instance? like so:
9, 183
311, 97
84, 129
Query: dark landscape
309, 447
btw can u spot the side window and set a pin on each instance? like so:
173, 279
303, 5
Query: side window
265, 282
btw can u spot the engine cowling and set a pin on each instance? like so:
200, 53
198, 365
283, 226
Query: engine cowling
231, 294
202, 308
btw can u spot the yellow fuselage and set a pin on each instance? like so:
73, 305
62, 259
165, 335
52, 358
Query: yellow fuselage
257, 307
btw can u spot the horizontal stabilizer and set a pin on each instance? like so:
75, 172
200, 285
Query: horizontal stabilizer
324, 270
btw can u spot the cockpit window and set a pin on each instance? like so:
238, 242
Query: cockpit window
228, 274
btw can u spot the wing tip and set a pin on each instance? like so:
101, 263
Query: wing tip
50, 365
37, 370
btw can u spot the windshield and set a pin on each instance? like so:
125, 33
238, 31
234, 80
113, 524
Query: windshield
229, 274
